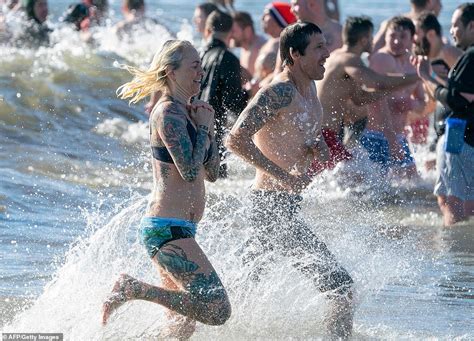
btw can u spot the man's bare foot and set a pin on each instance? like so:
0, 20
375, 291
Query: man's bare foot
125, 289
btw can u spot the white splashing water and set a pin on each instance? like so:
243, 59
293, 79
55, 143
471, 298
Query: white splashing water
284, 304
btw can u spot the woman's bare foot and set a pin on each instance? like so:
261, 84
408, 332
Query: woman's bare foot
178, 327
125, 289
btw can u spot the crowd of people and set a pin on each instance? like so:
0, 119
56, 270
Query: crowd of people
293, 104
291, 128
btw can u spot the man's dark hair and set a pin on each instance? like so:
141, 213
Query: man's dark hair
428, 21
296, 37
356, 28
207, 8
219, 22
402, 22
243, 19
419, 4
467, 13
134, 4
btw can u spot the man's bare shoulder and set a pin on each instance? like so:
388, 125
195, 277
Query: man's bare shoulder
382, 59
271, 45
277, 95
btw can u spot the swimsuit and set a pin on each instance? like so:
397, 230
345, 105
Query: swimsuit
277, 229
157, 231
337, 151
377, 145
162, 154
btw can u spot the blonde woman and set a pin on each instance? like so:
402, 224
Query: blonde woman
184, 155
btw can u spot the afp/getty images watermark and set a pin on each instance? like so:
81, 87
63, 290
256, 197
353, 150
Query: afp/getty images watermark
32, 336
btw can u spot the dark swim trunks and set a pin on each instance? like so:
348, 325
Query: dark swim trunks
277, 229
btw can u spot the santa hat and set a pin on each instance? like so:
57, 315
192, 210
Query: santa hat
281, 12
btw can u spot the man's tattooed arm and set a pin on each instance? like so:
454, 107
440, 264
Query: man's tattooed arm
187, 158
266, 105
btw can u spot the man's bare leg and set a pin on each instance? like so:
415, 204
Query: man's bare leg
452, 209
339, 321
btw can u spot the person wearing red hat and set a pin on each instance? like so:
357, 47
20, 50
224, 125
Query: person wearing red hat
278, 13
276, 16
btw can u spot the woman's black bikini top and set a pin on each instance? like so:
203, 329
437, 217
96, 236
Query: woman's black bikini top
162, 154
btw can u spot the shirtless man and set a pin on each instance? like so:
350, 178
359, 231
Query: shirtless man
346, 83
276, 16
279, 133
389, 115
243, 35
417, 8
315, 11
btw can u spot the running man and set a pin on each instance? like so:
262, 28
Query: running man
279, 133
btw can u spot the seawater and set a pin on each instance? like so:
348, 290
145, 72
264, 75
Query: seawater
74, 180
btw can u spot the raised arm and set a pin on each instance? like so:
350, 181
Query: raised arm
171, 126
266, 104
378, 81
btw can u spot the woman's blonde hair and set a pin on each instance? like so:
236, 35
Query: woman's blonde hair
144, 83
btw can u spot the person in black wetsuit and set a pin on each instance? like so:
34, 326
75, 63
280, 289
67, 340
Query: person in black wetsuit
222, 83
455, 182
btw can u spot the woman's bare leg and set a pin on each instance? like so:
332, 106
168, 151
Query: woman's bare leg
203, 299
180, 327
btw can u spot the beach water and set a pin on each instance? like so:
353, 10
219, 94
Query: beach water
74, 178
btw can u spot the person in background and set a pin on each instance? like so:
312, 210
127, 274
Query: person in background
389, 114
75, 14
221, 83
134, 18
429, 42
201, 12
315, 11
184, 155
454, 186
243, 35
276, 16
347, 81
98, 11
35, 30
417, 8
